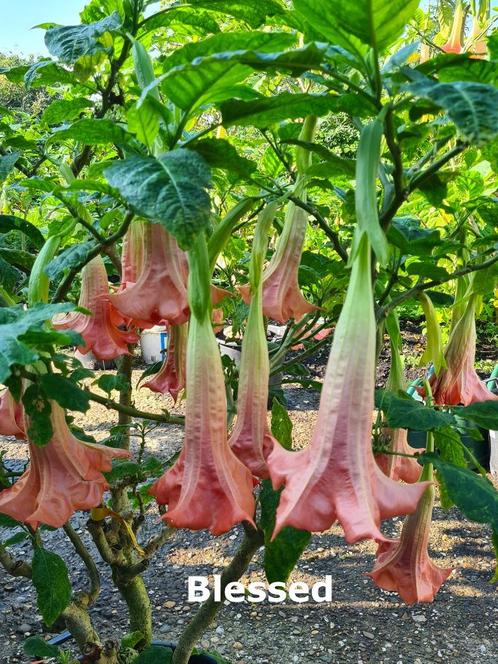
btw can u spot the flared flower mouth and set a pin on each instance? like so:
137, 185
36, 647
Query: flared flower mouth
404, 565
336, 477
105, 332
458, 382
63, 476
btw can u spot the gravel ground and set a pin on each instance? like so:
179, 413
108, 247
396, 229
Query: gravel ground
362, 623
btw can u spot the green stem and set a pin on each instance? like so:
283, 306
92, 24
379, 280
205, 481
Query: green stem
253, 540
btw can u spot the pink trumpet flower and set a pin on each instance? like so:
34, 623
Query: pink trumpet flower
105, 331
458, 382
171, 376
251, 440
404, 565
454, 43
208, 487
282, 297
400, 467
63, 476
160, 291
336, 477
132, 254
11, 416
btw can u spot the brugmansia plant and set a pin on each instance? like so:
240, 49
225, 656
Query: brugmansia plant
292, 163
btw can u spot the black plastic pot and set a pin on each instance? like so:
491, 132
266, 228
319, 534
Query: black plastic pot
60, 639
195, 659
481, 449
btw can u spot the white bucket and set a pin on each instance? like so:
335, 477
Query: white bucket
153, 344
493, 461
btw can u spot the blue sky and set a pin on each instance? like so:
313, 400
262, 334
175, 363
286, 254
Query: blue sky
17, 17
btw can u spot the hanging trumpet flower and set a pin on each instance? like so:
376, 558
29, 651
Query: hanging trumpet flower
132, 257
171, 376
336, 477
404, 565
11, 416
454, 43
208, 487
160, 292
105, 332
396, 465
251, 440
282, 297
63, 476
458, 382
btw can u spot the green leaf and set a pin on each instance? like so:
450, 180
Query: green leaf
123, 469
411, 238
16, 539
266, 111
355, 24
8, 522
403, 412
281, 424
473, 107
472, 493
76, 254
154, 655
18, 258
281, 554
182, 21
91, 131
47, 72
171, 190
220, 153
144, 122
64, 110
70, 43
448, 443
51, 581
9, 223
65, 392
482, 413
230, 41
110, 382
253, 12
39, 410
23, 334
7, 163
427, 269
35, 646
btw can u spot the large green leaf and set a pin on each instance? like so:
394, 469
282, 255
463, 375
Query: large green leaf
171, 190
7, 163
182, 20
473, 107
64, 110
65, 392
51, 581
355, 24
38, 647
154, 655
91, 131
10, 223
265, 111
411, 238
70, 43
281, 554
253, 12
220, 153
281, 424
472, 493
482, 413
403, 412
23, 334
230, 41
76, 254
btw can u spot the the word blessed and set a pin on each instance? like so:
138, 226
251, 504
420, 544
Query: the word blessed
258, 591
